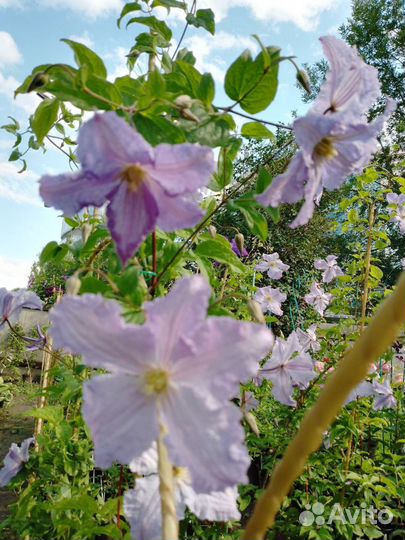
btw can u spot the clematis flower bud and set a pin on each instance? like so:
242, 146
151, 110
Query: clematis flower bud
256, 311
212, 230
183, 102
303, 80
240, 241
73, 284
86, 230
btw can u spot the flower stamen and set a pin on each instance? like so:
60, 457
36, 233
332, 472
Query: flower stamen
134, 175
156, 381
325, 149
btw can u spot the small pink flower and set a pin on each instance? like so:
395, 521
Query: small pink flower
386, 368
319, 366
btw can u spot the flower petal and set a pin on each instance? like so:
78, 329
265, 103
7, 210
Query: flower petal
122, 419
226, 353
142, 509
93, 327
107, 144
72, 192
215, 506
176, 316
176, 212
206, 438
182, 168
131, 216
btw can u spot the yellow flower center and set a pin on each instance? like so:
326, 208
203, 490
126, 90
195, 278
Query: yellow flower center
181, 473
134, 175
156, 381
325, 149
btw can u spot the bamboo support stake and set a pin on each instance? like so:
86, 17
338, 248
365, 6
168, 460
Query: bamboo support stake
353, 368
170, 525
45, 381
367, 265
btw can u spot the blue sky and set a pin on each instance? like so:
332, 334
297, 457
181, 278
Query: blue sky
30, 33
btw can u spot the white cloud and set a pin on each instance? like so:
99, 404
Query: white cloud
27, 102
14, 272
90, 8
303, 13
207, 50
9, 53
18, 187
84, 38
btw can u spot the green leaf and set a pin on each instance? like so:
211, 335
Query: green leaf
154, 24
264, 179
157, 130
50, 413
215, 249
224, 173
206, 89
128, 8
256, 222
204, 18
256, 130
53, 252
44, 118
86, 57
192, 78
90, 284
169, 4
376, 272
274, 213
15, 154
253, 83
129, 89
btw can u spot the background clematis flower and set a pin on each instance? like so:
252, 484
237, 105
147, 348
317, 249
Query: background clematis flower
318, 298
12, 302
384, 396
144, 186
142, 504
273, 265
270, 300
332, 148
307, 338
330, 268
14, 461
237, 251
351, 85
289, 367
179, 369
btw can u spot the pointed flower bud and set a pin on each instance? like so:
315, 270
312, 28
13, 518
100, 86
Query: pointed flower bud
303, 80
212, 230
240, 241
73, 284
183, 102
256, 311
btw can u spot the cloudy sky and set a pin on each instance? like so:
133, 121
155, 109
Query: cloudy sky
30, 33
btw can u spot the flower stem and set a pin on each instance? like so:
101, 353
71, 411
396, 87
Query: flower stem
154, 264
367, 264
170, 525
353, 368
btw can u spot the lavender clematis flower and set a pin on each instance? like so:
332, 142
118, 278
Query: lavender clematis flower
273, 265
330, 268
179, 369
332, 148
14, 461
38, 343
318, 298
364, 389
289, 366
270, 300
307, 339
351, 85
384, 397
142, 504
11, 304
236, 249
144, 187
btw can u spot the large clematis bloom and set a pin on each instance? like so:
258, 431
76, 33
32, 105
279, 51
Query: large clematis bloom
179, 369
14, 461
142, 505
12, 302
332, 148
335, 138
308, 339
144, 186
289, 367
